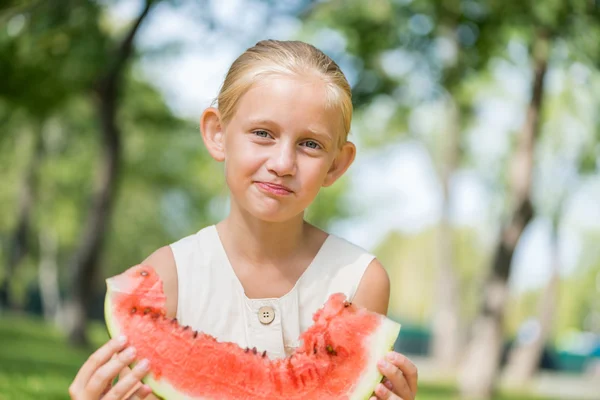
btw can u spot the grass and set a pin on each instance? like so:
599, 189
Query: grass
36, 363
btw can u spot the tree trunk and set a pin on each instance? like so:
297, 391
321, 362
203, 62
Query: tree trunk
482, 359
524, 358
18, 241
84, 263
446, 332
48, 276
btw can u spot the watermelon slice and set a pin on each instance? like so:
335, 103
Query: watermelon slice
336, 359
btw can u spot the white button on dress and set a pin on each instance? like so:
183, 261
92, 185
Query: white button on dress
266, 315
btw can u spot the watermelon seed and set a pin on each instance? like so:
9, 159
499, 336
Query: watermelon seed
195, 334
247, 350
174, 321
264, 354
315, 349
254, 350
133, 310
185, 328
330, 350
144, 273
347, 304
146, 310
155, 315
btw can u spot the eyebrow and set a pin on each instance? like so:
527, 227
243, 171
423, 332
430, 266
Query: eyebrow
263, 121
320, 135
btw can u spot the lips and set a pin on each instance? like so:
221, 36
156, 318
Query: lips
274, 188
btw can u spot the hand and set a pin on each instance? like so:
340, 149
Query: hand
94, 379
400, 382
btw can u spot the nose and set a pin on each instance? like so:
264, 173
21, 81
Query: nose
282, 160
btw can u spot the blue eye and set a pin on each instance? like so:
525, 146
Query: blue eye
312, 144
263, 134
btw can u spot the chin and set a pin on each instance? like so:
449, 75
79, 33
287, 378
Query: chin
276, 217
272, 214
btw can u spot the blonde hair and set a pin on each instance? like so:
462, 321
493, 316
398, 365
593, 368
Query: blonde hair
284, 58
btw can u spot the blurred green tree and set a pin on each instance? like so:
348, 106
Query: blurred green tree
567, 160
37, 52
64, 52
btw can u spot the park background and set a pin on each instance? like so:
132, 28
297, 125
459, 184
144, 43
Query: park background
476, 183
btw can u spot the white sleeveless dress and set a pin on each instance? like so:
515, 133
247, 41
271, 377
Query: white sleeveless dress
211, 299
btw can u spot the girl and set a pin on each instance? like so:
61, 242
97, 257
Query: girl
280, 127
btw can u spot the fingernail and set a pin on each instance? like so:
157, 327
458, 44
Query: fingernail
383, 364
130, 352
381, 390
122, 339
393, 356
143, 365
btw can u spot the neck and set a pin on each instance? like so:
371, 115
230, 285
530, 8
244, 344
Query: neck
262, 241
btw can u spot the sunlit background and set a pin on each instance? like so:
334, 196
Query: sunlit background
476, 182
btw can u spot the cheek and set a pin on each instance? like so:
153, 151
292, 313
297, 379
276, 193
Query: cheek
240, 154
316, 171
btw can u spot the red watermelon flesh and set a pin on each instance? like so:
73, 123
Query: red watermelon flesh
336, 360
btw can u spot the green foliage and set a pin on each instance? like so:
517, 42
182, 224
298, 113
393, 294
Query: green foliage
50, 52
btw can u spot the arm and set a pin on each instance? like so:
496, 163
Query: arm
163, 262
373, 291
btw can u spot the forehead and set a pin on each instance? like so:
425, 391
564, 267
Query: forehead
293, 102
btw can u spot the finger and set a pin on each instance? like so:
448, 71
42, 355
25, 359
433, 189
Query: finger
396, 377
124, 372
128, 383
386, 382
106, 389
109, 371
140, 394
97, 359
384, 393
408, 368
131, 394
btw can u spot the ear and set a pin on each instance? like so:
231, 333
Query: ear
212, 131
342, 162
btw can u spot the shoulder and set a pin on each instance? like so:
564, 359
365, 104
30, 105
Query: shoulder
163, 262
373, 291
342, 246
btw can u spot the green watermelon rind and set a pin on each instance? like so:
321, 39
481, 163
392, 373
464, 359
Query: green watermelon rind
382, 341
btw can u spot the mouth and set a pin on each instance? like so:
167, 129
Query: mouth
274, 188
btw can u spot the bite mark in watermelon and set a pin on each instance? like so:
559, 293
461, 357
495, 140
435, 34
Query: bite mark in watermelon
336, 359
